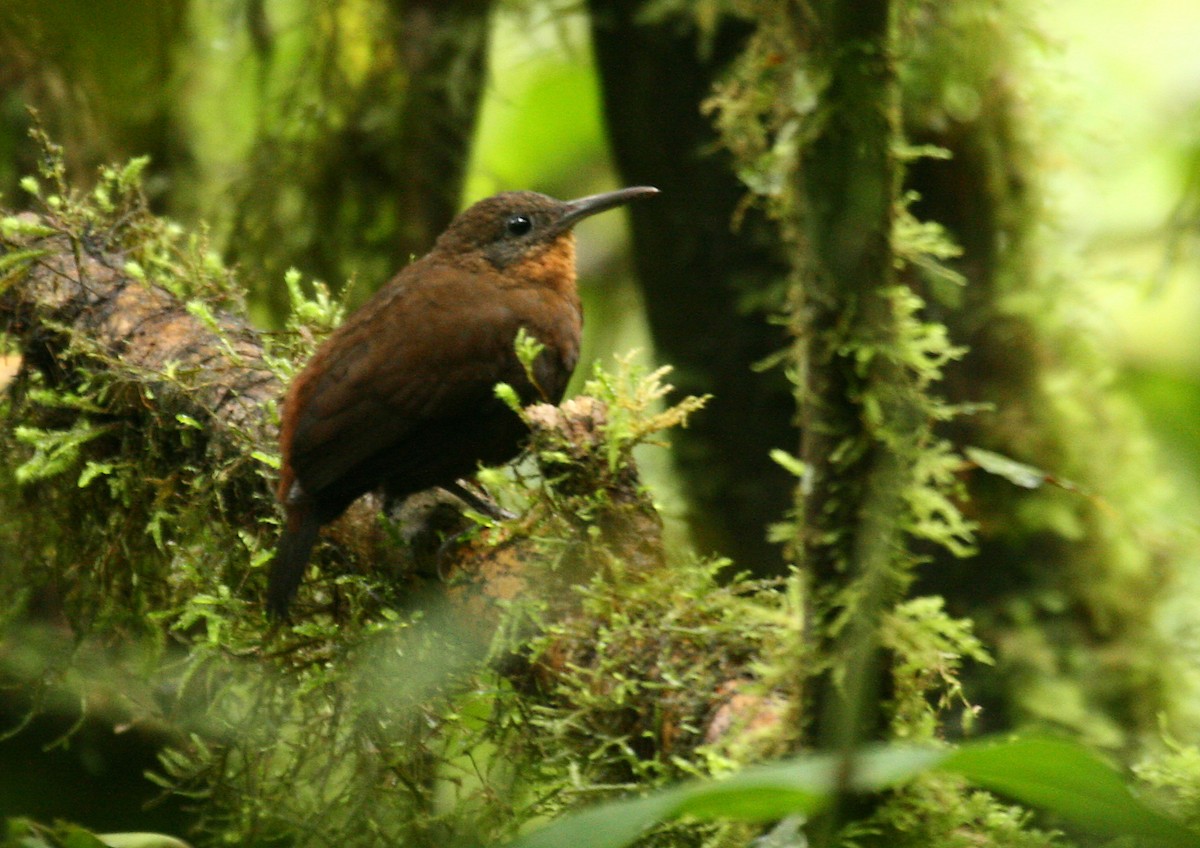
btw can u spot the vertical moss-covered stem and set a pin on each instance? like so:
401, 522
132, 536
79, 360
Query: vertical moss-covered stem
845, 188
811, 114
858, 418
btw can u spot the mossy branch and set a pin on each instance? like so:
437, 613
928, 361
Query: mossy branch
72, 303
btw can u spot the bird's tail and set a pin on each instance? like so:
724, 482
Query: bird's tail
291, 559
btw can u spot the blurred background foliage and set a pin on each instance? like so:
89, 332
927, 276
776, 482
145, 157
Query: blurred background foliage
1123, 176
306, 133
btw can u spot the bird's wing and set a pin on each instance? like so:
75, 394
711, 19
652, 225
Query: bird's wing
415, 355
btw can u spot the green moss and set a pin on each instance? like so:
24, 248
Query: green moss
940, 810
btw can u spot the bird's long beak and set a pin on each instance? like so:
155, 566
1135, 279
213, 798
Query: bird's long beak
576, 210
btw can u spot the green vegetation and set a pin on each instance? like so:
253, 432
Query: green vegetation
972, 625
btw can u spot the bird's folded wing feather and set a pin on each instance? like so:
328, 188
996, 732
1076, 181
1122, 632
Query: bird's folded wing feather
437, 355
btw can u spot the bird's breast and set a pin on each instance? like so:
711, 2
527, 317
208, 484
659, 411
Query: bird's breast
555, 319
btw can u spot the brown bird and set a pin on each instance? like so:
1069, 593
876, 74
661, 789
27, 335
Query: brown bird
402, 394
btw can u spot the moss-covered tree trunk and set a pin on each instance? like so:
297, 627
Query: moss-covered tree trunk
860, 418
137, 483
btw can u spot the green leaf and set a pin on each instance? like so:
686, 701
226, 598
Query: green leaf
271, 460
131, 174
14, 258
528, 349
55, 451
608, 825
23, 832
73, 836
200, 310
1017, 473
13, 226
791, 464
508, 396
1059, 776
141, 840
1067, 779
800, 785
92, 470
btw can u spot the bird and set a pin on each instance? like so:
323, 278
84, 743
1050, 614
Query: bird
401, 397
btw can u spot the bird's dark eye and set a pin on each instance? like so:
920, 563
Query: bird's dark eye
518, 225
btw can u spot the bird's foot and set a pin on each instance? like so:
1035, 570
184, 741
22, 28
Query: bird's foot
478, 502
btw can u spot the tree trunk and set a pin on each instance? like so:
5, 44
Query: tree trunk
707, 283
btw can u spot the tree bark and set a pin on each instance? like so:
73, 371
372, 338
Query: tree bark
706, 282
73, 295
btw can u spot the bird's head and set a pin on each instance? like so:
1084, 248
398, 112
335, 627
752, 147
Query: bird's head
517, 227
